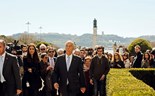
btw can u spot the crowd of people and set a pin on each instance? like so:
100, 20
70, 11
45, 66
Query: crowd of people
45, 71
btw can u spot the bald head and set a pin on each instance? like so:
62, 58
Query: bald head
2, 46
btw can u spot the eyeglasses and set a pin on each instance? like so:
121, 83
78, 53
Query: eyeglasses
50, 51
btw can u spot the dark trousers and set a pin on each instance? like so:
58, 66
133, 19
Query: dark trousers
4, 91
88, 92
99, 87
69, 92
30, 92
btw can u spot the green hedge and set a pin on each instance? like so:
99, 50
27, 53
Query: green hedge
146, 76
120, 82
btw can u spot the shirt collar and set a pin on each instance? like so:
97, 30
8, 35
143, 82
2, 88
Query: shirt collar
99, 56
3, 55
69, 55
50, 57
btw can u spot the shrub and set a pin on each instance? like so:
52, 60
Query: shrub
120, 82
144, 44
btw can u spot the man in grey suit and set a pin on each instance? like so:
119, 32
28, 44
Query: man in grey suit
10, 82
68, 74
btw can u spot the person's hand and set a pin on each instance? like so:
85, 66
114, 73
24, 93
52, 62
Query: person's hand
30, 70
18, 92
83, 89
102, 78
91, 81
119, 65
49, 67
56, 86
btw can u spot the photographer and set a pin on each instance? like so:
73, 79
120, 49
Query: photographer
15, 49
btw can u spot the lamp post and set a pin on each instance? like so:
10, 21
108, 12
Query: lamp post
28, 23
28, 37
40, 32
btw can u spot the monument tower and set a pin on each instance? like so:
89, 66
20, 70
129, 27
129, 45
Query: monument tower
94, 32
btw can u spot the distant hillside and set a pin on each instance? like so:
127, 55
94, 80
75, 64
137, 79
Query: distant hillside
151, 38
85, 39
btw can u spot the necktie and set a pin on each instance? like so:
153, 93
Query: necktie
52, 62
68, 62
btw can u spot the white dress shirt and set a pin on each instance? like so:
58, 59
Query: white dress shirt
51, 61
2, 58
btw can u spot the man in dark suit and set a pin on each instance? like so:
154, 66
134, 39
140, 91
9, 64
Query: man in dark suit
51, 61
138, 58
99, 68
68, 73
10, 82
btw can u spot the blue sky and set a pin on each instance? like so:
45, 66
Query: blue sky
127, 18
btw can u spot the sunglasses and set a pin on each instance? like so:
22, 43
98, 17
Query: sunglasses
50, 51
42, 49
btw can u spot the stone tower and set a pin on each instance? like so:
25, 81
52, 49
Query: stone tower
94, 33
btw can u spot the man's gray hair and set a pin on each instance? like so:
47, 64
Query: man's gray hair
70, 41
3, 42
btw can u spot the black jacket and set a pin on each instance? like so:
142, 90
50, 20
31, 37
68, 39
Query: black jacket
11, 74
97, 70
32, 78
75, 75
138, 60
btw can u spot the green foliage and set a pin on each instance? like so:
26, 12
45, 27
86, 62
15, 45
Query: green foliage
144, 44
120, 82
7, 39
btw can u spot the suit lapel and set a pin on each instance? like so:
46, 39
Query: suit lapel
5, 61
65, 65
72, 62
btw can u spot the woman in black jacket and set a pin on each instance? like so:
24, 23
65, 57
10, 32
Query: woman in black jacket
117, 61
31, 79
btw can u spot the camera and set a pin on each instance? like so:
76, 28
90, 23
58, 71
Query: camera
14, 48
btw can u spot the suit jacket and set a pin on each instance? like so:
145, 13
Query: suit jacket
11, 74
75, 75
97, 70
138, 60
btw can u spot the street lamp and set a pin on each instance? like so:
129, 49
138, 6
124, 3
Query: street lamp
28, 37
28, 23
